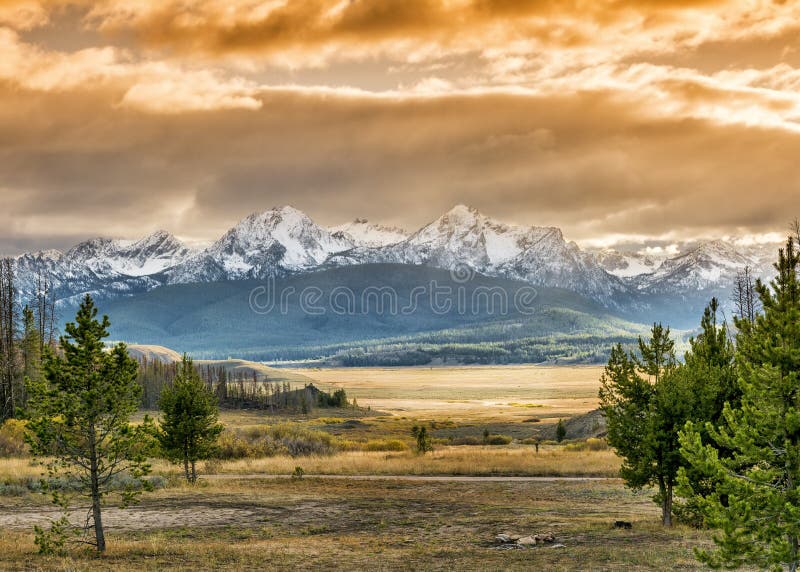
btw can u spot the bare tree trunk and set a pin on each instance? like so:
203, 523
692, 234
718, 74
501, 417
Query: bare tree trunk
666, 503
97, 516
194, 472
8, 319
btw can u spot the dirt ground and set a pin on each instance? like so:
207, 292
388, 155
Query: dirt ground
383, 524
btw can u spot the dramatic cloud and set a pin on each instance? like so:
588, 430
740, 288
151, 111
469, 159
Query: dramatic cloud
615, 120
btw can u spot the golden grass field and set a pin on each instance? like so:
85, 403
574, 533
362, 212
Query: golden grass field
497, 393
243, 516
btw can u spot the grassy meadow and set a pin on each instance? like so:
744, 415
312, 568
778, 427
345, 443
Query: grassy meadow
246, 514
510, 393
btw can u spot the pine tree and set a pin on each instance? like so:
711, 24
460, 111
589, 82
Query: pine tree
80, 412
645, 401
756, 502
424, 443
189, 427
561, 431
709, 370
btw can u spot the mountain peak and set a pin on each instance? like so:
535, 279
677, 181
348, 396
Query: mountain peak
364, 233
461, 211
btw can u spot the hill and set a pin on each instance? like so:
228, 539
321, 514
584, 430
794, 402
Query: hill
234, 367
389, 310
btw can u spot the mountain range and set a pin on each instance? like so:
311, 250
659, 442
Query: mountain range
284, 241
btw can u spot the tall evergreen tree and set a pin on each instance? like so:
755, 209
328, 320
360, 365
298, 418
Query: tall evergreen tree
80, 412
189, 427
709, 370
645, 402
754, 456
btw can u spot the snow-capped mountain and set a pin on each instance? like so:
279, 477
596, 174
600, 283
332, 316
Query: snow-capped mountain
464, 238
285, 240
709, 265
361, 232
150, 255
100, 266
277, 240
626, 264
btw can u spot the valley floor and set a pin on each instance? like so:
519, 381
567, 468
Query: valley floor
316, 524
374, 504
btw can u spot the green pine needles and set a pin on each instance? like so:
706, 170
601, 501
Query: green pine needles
79, 424
189, 425
753, 454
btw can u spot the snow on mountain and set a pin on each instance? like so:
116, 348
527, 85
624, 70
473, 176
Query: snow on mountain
465, 237
554, 262
709, 265
626, 264
150, 255
361, 232
282, 239
285, 240
102, 267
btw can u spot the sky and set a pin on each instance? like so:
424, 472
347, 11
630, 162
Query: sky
618, 121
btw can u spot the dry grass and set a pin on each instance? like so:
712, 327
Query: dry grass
379, 525
444, 461
469, 393
16, 470
459, 460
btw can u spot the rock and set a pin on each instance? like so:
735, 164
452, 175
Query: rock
557, 546
503, 539
547, 537
527, 541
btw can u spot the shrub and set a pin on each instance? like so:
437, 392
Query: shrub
467, 440
271, 440
591, 444
385, 445
12, 439
13, 490
232, 446
498, 440
561, 431
424, 443
595, 444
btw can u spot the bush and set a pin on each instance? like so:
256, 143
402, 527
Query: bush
467, 440
595, 444
13, 490
12, 439
271, 440
498, 440
591, 444
385, 445
424, 443
561, 431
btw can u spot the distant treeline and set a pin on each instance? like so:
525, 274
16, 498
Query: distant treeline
554, 349
239, 389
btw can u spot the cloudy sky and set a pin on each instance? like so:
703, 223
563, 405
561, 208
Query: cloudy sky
616, 120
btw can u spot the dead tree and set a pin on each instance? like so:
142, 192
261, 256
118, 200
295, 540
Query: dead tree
45, 309
745, 298
8, 334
